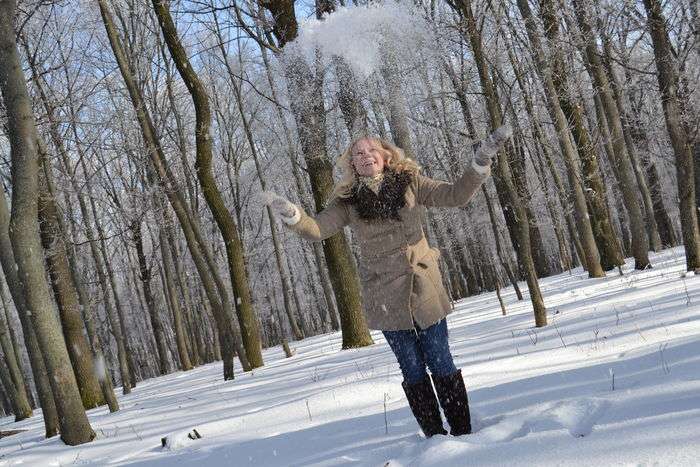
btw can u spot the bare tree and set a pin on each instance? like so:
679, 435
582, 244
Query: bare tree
229, 230
592, 258
202, 257
619, 154
305, 91
668, 77
502, 171
26, 243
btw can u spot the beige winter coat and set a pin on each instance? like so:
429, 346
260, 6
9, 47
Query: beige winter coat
399, 273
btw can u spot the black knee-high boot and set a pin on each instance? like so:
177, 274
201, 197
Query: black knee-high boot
453, 399
424, 405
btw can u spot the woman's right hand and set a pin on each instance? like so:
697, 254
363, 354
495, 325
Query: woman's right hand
281, 207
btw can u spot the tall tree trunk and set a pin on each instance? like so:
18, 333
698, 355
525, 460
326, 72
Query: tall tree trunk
606, 239
57, 140
541, 147
645, 193
316, 248
66, 295
638, 134
145, 278
398, 115
349, 101
179, 126
585, 230
118, 321
71, 291
696, 154
217, 205
206, 267
102, 372
26, 243
253, 147
19, 405
667, 74
16, 345
540, 257
503, 259
458, 85
12, 378
502, 170
36, 360
305, 87
189, 311
620, 156
166, 248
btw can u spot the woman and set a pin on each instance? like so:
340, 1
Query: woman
382, 196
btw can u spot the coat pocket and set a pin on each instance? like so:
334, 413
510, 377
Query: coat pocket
429, 279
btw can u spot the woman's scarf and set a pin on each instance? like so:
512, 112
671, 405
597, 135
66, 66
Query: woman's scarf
380, 197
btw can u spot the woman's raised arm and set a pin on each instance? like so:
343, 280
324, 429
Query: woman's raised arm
438, 193
441, 194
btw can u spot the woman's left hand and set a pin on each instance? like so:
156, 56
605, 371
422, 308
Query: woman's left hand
490, 146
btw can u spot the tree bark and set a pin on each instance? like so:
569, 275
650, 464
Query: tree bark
36, 360
621, 158
585, 230
118, 321
305, 89
217, 205
645, 193
665, 225
14, 341
253, 147
166, 248
71, 290
206, 268
316, 248
502, 169
105, 382
667, 75
145, 278
458, 86
12, 378
66, 295
606, 240
26, 244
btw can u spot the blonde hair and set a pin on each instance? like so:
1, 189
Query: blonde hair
394, 158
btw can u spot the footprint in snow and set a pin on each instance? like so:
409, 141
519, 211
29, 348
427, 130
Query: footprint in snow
501, 429
479, 423
578, 416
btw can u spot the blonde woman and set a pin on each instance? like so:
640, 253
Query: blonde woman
382, 196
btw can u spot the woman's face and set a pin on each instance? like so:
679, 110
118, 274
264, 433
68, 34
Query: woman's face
367, 158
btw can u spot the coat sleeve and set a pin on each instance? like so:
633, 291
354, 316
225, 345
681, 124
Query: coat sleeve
437, 193
325, 224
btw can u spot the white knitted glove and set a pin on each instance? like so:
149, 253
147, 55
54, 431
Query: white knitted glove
284, 209
488, 148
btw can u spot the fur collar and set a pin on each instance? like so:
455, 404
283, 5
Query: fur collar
386, 203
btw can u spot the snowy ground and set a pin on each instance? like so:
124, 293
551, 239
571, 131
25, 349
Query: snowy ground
540, 396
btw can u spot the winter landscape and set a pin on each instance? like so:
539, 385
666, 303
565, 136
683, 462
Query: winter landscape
238, 232
615, 380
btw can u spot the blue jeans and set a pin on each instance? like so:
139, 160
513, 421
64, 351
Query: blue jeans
416, 349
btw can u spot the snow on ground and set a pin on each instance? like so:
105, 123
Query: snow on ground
539, 396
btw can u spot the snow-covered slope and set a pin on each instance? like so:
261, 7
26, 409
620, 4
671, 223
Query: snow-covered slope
539, 396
